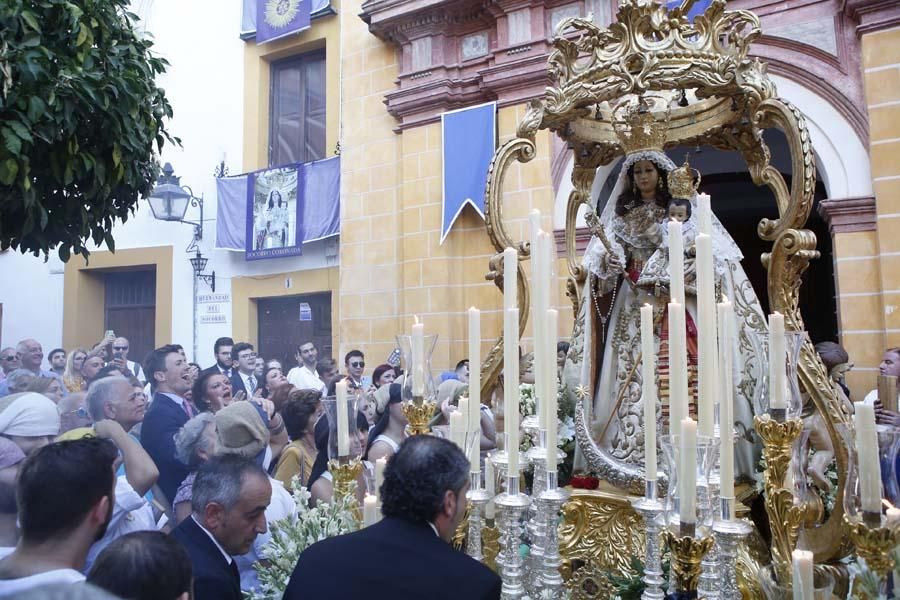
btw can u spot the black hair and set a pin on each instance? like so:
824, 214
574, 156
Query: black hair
379, 371
240, 347
110, 370
220, 480
301, 405
461, 364
54, 351
419, 474
198, 391
384, 418
628, 199
682, 202
156, 361
143, 565
562, 346
351, 354
60, 484
324, 365
222, 341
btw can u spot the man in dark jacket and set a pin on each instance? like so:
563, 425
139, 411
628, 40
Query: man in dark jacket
407, 554
228, 510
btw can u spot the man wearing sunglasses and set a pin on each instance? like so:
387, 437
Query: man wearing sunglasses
120, 348
9, 361
355, 361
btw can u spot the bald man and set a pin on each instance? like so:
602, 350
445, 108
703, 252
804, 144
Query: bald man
31, 356
120, 347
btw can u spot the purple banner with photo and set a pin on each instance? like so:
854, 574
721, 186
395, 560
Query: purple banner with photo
279, 18
275, 213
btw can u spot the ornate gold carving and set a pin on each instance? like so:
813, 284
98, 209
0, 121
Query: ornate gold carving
490, 542
419, 415
874, 544
683, 181
587, 582
602, 528
686, 553
345, 477
637, 128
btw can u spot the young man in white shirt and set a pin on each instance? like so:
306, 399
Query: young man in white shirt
304, 375
66, 492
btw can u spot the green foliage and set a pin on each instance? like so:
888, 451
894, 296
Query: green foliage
80, 114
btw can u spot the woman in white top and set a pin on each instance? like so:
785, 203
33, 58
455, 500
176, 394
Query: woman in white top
390, 428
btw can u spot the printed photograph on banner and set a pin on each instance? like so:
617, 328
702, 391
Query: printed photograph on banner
272, 214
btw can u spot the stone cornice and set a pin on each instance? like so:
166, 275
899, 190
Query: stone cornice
873, 15
582, 237
845, 215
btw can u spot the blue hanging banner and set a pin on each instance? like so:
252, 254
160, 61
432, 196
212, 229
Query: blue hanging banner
469, 137
274, 213
279, 18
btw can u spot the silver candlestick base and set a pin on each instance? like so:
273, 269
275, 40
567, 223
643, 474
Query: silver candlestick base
477, 498
535, 525
650, 509
500, 460
512, 505
709, 586
729, 534
550, 502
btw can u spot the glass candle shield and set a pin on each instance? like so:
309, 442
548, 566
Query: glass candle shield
888, 447
707, 456
823, 585
793, 342
356, 438
412, 370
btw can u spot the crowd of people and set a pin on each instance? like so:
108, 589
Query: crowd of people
160, 479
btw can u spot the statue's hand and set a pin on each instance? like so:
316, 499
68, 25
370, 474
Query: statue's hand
614, 264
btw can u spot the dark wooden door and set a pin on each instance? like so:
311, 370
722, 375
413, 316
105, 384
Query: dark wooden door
285, 322
130, 310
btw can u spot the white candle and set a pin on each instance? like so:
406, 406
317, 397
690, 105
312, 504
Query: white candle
676, 262
539, 281
380, 464
343, 431
802, 583
510, 278
418, 359
648, 389
687, 472
866, 440
511, 388
534, 222
726, 403
370, 510
549, 331
777, 362
678, 383
489, 488
706, 336
704, 214
464, 412
552, 321
457, 429
474, 369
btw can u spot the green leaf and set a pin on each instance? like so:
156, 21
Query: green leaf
9, 168
20, 130
117, 154
13, 143
82, 36
36, 108
64, 252
29, 18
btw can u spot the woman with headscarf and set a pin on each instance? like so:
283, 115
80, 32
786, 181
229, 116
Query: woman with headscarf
28, 419
390, 429
72, 376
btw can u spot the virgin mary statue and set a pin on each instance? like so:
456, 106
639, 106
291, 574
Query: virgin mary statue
626, 262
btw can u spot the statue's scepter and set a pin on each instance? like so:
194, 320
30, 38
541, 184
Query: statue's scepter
596, 227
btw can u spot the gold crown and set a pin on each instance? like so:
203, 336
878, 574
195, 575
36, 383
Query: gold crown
637, 127
683, 181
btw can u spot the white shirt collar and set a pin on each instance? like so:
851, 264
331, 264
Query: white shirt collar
214, 541
434, 528
174, 397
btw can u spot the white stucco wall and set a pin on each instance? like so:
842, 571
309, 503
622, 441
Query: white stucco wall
204, 84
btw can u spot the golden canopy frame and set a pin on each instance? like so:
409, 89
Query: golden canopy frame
650, 49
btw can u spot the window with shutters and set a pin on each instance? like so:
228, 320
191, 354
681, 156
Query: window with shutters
297, 111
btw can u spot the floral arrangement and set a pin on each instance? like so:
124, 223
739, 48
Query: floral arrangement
565, 412
293, 535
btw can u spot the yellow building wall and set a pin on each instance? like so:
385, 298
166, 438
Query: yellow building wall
870, 318
393, 265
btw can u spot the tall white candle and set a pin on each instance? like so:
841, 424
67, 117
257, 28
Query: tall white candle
687, 472
866, 440
552, 321
489, 488
539, 281
706, 336
777, 362
704, 214
802, 580
457, 429
418, 358
676, 262
648, 389
534, 222
380, 464
511, 388
726, 402
343, 431
370, 510
510, 278
678, 381
474, 368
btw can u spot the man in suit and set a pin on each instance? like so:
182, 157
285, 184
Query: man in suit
228, 504
423, 501
169, 374
222, 350
243, 378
